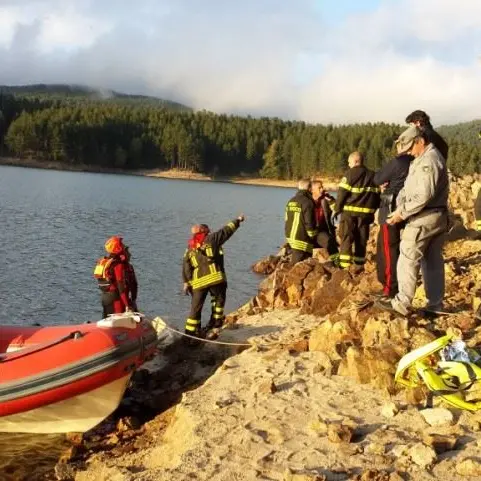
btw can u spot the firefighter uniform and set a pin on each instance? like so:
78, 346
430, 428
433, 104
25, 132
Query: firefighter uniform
389, 238
203, 270
117, 284
300, 225
357, 201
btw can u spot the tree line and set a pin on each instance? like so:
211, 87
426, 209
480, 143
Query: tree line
134, 133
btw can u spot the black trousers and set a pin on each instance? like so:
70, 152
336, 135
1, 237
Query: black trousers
298, 256
387, 255
353, 233
328, 241
218, 294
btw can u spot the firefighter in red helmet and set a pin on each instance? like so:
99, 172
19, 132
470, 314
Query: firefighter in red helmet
203, 273
116, 278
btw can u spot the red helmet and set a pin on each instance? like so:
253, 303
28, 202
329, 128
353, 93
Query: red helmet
114, 245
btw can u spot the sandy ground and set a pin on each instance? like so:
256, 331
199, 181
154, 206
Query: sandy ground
272, 413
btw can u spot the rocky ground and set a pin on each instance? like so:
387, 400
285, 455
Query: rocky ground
313, 398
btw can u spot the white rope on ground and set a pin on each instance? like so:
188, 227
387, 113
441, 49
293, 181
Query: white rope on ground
158, 322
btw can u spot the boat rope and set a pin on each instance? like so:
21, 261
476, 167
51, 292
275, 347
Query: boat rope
40, 347
158, 322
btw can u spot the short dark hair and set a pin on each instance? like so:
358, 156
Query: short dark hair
418, 116
425, 136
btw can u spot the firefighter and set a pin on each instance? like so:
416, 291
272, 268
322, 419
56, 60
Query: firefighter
392, 177
356, 203
116, 278
326, 236
203, 273
300, 223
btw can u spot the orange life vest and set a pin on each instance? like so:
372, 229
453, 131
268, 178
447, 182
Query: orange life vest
103, 271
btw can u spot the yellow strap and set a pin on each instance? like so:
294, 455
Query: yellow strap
363, 210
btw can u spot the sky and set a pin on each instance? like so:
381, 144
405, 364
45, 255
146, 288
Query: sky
322, 61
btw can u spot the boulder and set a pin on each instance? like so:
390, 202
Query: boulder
469, 467
438, 416
267, 265
422, 455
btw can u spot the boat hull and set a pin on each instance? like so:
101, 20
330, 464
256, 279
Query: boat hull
69, 378
77, 414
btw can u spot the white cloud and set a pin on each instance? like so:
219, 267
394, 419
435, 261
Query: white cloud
264, 58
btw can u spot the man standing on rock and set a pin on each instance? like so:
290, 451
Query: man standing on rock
300, 223
356, 203
422, 205
391, 177
326, 236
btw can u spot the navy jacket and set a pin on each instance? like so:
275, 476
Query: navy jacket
394, 172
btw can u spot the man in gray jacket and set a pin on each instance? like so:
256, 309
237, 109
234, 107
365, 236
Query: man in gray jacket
422, 203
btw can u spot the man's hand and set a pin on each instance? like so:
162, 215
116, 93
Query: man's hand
335, 218
186, 289
241, 218
394, 219
384, 186
128, 309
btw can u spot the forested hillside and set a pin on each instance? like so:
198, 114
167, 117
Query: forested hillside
77, 125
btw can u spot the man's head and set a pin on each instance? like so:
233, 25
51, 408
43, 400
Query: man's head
317, 189
412, 141
419, 118
355, 159
304, 184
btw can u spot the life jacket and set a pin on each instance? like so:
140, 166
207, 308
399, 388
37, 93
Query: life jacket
103, 272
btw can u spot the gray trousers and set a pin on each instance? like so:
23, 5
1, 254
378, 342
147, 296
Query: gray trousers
422, 248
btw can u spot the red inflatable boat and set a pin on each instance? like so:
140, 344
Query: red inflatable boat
59, 379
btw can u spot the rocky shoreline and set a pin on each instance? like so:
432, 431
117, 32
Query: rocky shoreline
313, 398
176, 174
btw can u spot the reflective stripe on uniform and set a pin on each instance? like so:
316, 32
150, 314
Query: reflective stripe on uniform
300, 245
311, 233
231, 225
209, 279
358, 190
363, 210
345, 260
192, 324
478, 225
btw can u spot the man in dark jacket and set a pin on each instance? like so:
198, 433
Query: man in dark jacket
391, 177
326, 236
421, 120
300, 223
203, 273
356, 202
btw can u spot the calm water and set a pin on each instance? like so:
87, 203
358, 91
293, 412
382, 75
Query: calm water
54, 225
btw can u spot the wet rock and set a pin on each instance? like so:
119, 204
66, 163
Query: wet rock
438, 416
470, 467
422, 455
440, 442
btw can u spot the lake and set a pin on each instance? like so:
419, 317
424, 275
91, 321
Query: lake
54, 225
53, 228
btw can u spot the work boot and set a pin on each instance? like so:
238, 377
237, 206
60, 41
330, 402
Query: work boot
189, 341
391, 305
